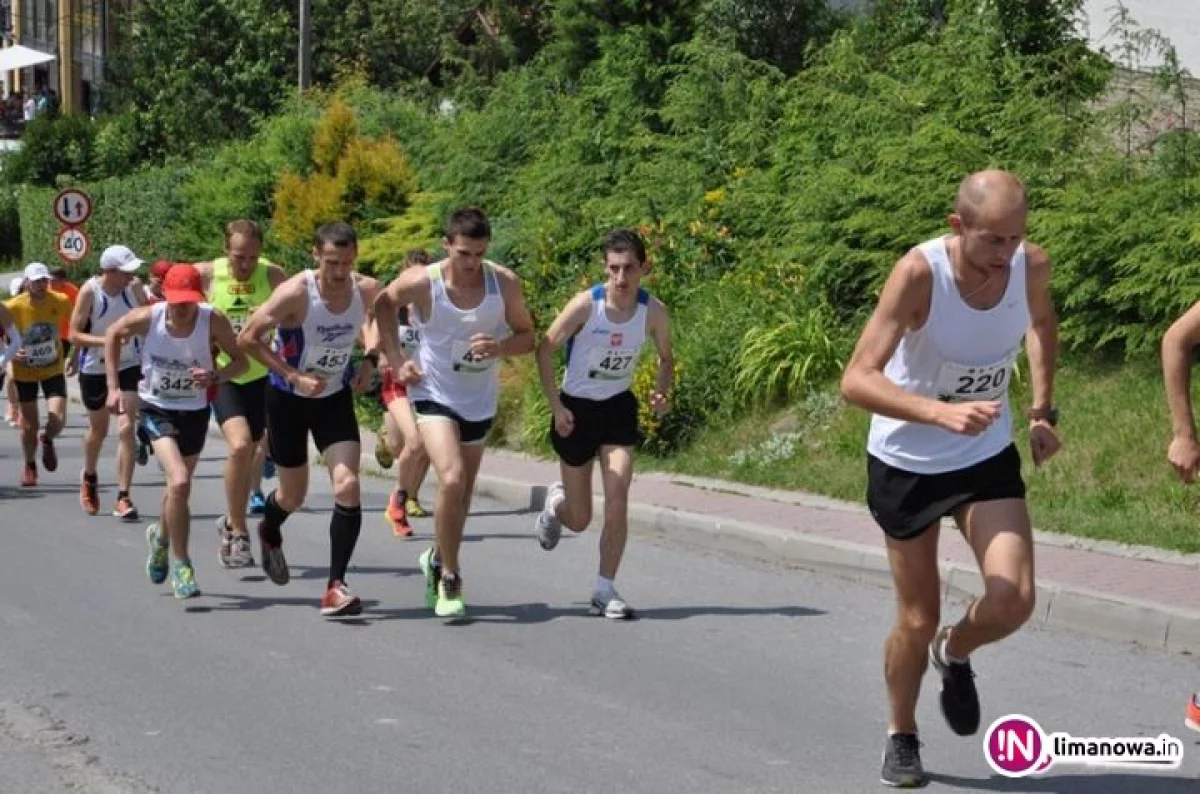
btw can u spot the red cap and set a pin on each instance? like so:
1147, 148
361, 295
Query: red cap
183, 285
160, 268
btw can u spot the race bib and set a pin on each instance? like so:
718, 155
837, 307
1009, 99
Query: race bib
410, 338
173, 381
467, 362
43, 352
238, 321
979, 382
330, 362
611, 364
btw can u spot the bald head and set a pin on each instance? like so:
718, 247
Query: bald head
989, 195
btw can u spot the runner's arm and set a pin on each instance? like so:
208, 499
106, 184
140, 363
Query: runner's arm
904, 300
404, 290
80, 316
135, 323
659, 323
224, 338
1041, 341
12, 336
1177, 346
284, 307
516, 314
565, 325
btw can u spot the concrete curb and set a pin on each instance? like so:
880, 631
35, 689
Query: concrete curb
1115, 618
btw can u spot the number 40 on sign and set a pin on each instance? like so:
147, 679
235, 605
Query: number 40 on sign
73, 245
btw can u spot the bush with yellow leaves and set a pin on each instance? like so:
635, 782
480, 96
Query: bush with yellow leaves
354, 179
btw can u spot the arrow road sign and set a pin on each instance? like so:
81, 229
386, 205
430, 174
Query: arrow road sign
72, 207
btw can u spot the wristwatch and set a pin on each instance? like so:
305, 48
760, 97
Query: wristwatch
1049, 416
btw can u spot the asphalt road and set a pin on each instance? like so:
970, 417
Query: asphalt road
739, 677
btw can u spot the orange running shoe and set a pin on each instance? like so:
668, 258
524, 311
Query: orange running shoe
1193, 713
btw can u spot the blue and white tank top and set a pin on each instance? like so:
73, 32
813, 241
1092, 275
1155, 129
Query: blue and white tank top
324, 342
603, 355
106, 310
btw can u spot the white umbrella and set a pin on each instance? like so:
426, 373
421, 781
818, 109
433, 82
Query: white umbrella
18, 57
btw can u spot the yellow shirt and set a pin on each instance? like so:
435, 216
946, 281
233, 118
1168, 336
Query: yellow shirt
38, 323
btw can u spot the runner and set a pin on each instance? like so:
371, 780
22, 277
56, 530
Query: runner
933, 366
596, 413
177, 364
158, 272
400, 437
11, 337
319, 315
1183, 454
10, 386
463, 304
237, 284
102, 301
60, 283
39, 313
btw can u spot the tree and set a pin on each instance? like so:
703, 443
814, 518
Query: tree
200, 71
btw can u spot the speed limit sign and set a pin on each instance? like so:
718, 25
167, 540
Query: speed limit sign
73, 244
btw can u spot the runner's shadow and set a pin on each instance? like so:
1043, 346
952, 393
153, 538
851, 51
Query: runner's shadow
1102, 783
232, 602
495, 513
537, 613
7, 492
309, 572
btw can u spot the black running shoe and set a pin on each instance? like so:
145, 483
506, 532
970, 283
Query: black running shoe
960, 700
902, 762
274, 564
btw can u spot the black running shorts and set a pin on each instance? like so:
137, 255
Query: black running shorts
291, 418
53, 386
905, 504
468, 432
94, 388
598, 423
188, 428
247, 400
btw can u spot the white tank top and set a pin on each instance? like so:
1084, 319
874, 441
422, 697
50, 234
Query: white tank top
959, 354
167, 362
602, 357
106, 310
451, 376
324, 342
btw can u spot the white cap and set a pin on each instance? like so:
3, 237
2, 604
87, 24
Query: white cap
36, 271
14, 286
119, 257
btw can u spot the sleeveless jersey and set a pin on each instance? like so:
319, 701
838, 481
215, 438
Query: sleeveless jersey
603, 355
167, 362
452, 376
237, 300
960, 354
324, 342
106, 310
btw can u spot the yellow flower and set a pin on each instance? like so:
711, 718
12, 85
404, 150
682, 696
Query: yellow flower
715, 196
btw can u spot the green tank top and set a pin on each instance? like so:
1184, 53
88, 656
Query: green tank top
238, 300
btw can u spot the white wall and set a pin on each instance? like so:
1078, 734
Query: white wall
1178, 20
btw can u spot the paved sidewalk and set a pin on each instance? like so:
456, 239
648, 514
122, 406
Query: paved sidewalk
1127, 594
